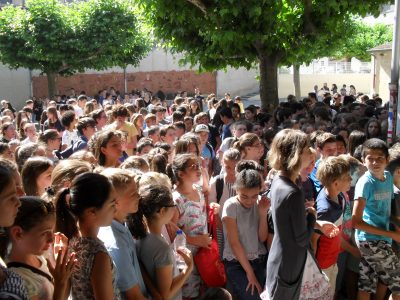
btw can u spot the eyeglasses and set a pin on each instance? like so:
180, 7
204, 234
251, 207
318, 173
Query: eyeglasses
195, 167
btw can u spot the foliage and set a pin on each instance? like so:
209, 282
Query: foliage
214, 34
360, 38
64, 39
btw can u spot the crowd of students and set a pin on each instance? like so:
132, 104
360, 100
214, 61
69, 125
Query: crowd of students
92, 195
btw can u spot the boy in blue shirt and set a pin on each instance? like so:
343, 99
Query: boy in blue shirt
371, 218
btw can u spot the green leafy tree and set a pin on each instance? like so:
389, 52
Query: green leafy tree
215, 34
61, 39
361, 37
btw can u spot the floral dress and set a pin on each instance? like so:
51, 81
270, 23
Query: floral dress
86, 249
193, 221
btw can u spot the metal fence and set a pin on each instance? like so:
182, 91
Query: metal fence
323, 67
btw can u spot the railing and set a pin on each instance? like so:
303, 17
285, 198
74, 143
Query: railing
323, 67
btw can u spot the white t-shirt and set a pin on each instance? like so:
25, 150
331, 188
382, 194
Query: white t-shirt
36, 284
69, 137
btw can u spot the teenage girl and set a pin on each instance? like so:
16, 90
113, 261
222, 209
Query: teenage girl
36, 175
244, 217
191, 213
158, 258
107, 148
32, 236
11, 285
80, 211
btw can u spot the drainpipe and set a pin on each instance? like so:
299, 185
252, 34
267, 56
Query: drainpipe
393, 118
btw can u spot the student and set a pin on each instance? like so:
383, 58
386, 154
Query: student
86, 128
191, 213
245, 229
371, 218
250, 147
308, 188
11, 284
238, 129
80, 211
221, 189
117, 238
107, 148
69, 136
334, 175
32, 237
157, 206
30, 133
120, 113
326, 146
36, 175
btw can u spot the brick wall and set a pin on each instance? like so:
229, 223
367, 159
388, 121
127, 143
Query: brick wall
168, 82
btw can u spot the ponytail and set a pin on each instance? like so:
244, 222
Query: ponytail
137, 225
65, 219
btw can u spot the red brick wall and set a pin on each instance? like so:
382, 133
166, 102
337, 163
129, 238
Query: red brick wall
168, 82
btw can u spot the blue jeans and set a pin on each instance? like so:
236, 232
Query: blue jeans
237, 277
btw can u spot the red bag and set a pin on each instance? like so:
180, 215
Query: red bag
208, 263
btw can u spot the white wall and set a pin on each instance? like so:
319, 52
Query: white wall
237, 82
14, 85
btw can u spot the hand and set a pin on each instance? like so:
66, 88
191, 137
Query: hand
263, 205
204, 240
63, 269
187, 257
329, 229
215, 207
253, 283
60, 242
309, 203
311, 210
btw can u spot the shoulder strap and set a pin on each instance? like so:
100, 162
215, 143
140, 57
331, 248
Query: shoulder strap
219, 185
33, 269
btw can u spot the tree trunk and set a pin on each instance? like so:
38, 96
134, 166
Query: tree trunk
51, 84
296, 81
268, 81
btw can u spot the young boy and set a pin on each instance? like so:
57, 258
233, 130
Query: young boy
334, 175
117, 238
326, 146
371, 217
70, 135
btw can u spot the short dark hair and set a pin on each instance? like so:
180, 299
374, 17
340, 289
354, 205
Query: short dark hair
226, 112
120, 111
374, 144
84, 123
67, 118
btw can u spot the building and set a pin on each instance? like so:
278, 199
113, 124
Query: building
381, 65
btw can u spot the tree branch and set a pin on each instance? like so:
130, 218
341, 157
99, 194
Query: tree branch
309, 27
66, 66
200, 5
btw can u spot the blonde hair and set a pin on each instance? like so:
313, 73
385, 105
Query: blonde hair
120, 178
153, 178
286, 150
246, 140
331, 169
136, 162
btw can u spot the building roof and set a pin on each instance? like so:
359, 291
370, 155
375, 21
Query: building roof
383, 47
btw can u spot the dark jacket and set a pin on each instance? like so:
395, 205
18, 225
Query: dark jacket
293, 230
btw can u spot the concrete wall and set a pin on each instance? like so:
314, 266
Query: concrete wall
362, 82
14, 85
237, 81
382, 62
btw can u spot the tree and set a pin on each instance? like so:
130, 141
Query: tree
61, 39
360, 38
218, 33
